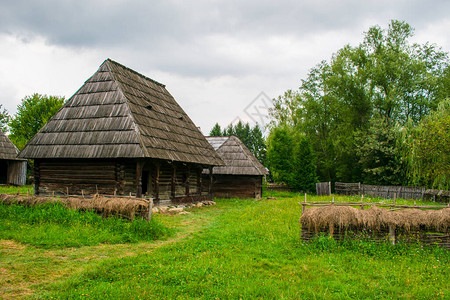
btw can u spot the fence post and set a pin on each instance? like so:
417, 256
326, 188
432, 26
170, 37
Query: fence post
150, 209
392, 234
329, 188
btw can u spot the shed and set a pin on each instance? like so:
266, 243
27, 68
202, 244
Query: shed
12, 169
242, 175
121, 133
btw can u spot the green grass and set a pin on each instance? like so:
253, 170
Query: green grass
252, 250
52, 225
23, 190
236, 249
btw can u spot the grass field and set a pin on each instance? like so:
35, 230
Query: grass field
236, 249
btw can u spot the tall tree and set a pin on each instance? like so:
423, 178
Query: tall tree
304, 176
429, 145
4, 119
384, 78
252, 138
280, 144
216, 130
31, 116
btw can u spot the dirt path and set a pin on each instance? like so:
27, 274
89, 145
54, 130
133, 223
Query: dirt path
24, 269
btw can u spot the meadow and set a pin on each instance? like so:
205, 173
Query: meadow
237, 249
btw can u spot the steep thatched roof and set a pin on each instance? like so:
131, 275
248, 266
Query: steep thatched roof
7, 149
121, 113
238, 159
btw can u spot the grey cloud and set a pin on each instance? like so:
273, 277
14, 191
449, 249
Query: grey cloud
172, 35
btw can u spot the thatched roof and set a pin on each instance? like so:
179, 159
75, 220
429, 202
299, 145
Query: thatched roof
121, 113
7, 149
237, 157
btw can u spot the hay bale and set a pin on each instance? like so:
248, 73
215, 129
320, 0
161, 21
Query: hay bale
330, 217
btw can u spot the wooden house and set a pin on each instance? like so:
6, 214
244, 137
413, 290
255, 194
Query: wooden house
12, 169
121, 133
242, 175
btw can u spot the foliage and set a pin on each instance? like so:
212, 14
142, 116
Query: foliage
291, 159
252, 138
378, 153
280, 145
340, 102
304, 174
216, 131
261, 258
429, 149
4, 119
52, 225
32, 114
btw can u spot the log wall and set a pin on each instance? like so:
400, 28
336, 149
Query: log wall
120, 176
235, 186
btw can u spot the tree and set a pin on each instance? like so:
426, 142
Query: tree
252, 138
32, 114
280, 144
429, 145
383, 78
216, 130
379, 155
4, 119
304, 169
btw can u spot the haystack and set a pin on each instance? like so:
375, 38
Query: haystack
346, 217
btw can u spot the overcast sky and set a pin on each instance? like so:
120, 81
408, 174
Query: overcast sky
215, 57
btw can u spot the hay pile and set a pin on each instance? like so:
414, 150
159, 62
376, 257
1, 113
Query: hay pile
106, 206
345, 217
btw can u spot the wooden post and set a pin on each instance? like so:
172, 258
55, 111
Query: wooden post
187, 183
139, 167
392, 234
67, 191
393, 202
82, 193
37, 176
362, 201
199, 181
157, 182
210, 180
303, 205
329, 188
172, 186
150, 208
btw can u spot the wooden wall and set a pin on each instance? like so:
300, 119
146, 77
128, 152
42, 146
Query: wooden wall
236, 186
119, 176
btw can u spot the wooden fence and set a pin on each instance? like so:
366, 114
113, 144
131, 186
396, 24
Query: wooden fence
389, 192
323, 188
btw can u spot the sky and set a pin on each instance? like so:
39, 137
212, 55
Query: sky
222, 60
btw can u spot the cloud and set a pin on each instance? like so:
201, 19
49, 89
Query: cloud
215, 56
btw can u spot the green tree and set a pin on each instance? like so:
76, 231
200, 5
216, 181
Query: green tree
429, 145
304, 176
32, 114
384, 77
216, 130
280, 144
379, 155
4, 119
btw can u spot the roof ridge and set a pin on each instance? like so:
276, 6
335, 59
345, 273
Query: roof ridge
135, 72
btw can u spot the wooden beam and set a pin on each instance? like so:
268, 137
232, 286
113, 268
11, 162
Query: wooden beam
157, 181
37, 176
172, 185
199, 181
188, 174
139, 168
210, 184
